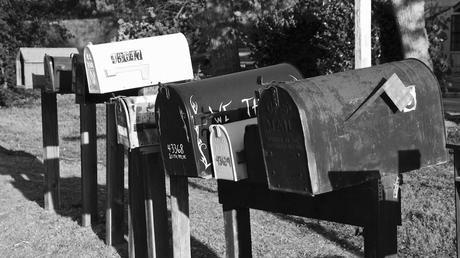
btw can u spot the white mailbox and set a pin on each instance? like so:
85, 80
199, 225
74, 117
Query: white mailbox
227, 149
136, 124
137, 63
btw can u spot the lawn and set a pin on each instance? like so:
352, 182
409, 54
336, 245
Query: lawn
428, 223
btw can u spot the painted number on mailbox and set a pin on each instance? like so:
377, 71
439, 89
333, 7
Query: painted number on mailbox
222, 159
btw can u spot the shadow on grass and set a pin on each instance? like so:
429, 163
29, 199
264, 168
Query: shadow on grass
27, 175
329, 234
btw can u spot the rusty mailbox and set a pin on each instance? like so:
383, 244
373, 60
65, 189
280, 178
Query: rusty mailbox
334, 131
183, 113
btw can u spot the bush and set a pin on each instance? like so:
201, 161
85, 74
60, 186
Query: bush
152, 19
19, 28
319, 37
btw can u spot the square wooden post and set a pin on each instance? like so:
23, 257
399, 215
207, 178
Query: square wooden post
115, 180
237, 232
137, 222
88, 163
180, 216
380, 234
50, 150
456, 149
363, 44
156, 211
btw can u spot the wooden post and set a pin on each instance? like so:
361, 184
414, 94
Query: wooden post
180, 216
156, 211
457, 194
50, 150
237, 232
380, 234
115, 180
136, 203
363, 56
88, 163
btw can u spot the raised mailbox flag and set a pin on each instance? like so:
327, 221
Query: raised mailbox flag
137, 63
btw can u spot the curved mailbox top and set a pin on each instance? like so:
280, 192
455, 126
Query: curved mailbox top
137, 63
184, 111
334, 131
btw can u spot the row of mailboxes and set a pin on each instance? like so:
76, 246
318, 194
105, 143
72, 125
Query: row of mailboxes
184, 113
329, 132
106, 68
33, 71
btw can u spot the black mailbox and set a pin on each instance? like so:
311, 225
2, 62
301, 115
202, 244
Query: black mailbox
58, 74
334, 131
183, 113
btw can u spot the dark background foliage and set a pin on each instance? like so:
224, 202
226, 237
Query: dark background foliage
316, 36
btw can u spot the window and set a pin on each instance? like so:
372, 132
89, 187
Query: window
455, 33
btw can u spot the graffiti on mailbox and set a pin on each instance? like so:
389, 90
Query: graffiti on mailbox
251, 104
201, 145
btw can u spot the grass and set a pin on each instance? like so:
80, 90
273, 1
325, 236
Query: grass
428, 223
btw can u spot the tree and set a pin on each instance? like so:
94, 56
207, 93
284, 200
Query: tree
21, 26
222, 36
410, 17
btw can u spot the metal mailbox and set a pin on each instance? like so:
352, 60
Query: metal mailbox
227, 149
30, 68
136, 124
137, 63
334, 131
58, 74
183, 113
80, 85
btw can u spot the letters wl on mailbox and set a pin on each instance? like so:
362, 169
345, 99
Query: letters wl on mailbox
137, 63
183, 113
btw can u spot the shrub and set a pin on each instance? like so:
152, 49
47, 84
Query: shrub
19, 28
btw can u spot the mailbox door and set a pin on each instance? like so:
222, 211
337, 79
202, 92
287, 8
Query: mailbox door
183, 111
348, 134
228, 150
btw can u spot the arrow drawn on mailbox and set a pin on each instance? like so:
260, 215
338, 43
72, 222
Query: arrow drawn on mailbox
183, 116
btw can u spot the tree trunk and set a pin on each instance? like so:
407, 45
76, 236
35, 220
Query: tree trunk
223, 42
410, 18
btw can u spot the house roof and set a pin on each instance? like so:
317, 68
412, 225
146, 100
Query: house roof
36, 55
436, 7
441, 3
